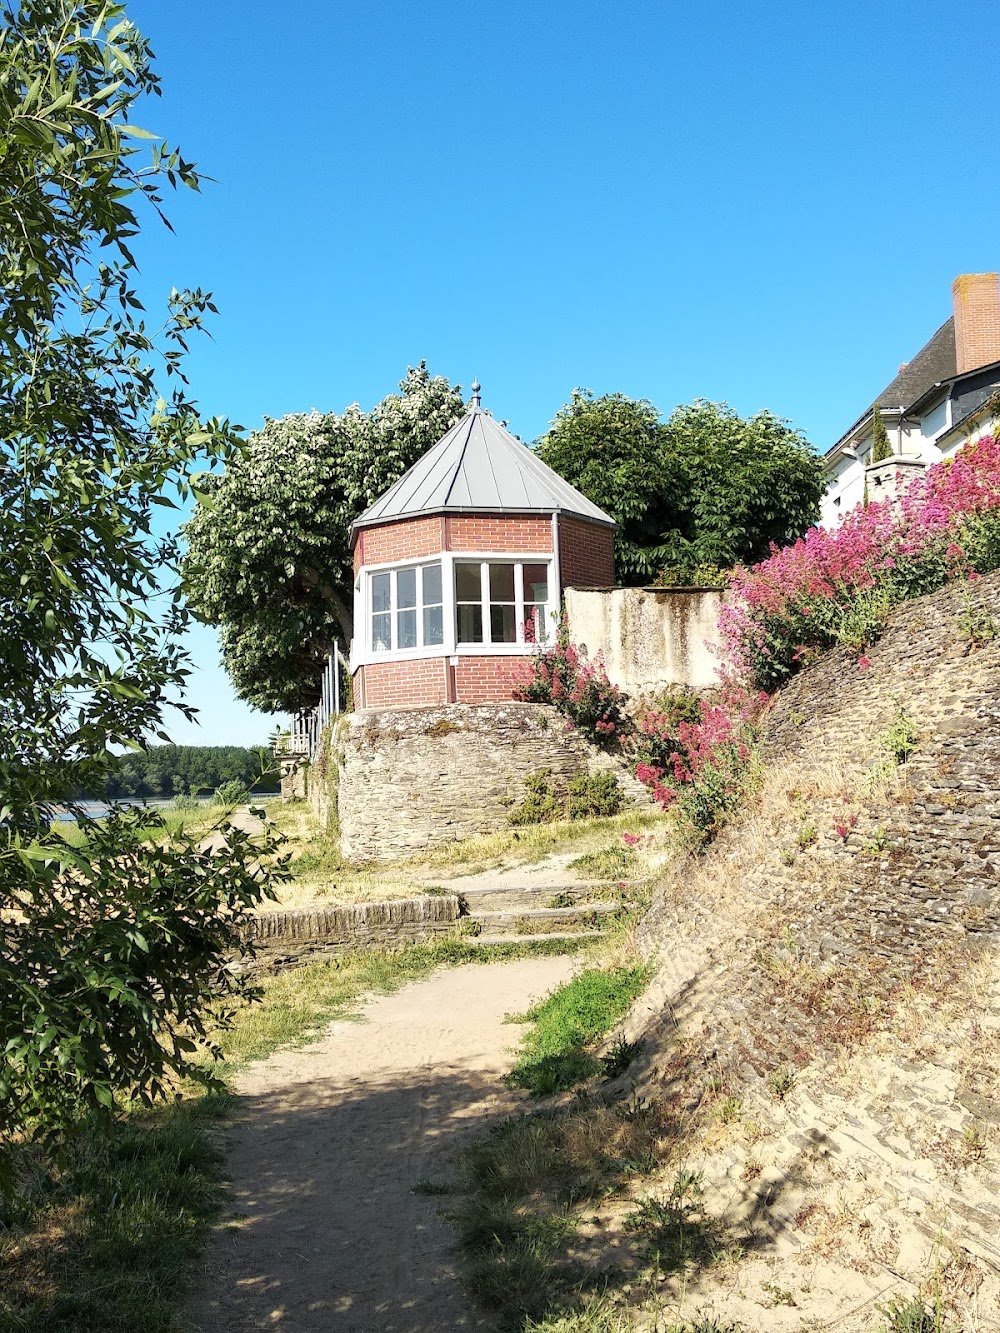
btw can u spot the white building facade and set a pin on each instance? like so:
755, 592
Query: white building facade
948, 394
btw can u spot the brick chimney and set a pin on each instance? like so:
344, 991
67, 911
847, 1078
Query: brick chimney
976, 298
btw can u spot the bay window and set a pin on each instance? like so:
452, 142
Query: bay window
458, 602
501, 602
406, 608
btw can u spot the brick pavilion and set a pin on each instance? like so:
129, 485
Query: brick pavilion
460, 568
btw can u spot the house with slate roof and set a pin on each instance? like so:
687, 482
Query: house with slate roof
460, 569
944, 397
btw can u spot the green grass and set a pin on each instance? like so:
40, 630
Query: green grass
104, 1245
103, 1242
615, 862
554, 1053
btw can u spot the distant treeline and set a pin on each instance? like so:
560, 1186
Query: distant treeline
190, 770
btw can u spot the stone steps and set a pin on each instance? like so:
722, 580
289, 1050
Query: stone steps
565, 937
518, 898
541, 920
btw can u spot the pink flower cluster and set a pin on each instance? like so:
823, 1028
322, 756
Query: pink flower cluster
788, 605
715, 744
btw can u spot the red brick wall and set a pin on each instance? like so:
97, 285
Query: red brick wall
976, 298
402, 684
586, 554
487, 680
423, 682
407, 540
498, 532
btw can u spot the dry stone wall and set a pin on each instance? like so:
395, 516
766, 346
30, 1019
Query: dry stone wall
285, 939
852, 877
409, 779
832, 963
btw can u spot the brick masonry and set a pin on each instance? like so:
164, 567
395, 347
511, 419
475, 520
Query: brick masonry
976, 298
405, 780
586, 554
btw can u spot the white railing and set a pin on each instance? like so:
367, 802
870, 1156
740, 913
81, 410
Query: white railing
306, 728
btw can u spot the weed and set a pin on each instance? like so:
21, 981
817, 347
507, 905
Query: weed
976, 624
432, 1188
596, 1315
613, 862
562, 899
877, 842
806, 836
901, 736
675, 1230
912, 1317
553, 1054
781, 1082
778, 1295
594, 796
729, 1109
620, 1055
540, 804
973, 1143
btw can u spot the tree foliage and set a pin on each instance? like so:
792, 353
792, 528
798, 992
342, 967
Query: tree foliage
880, 438
163, 771
706, 487
107, 951
269, 558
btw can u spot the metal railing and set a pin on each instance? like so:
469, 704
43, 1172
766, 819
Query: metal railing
303, 736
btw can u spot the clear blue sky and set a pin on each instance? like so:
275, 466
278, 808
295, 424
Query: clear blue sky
762, 203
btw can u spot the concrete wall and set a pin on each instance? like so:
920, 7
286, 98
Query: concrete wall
650, 638
409, 779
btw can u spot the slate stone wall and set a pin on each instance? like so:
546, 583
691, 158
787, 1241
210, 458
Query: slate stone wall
409, 779
287, 938
852, 878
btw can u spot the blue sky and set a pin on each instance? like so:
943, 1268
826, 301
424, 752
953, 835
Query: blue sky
762, 203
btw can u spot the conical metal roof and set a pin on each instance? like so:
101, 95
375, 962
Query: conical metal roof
479, 467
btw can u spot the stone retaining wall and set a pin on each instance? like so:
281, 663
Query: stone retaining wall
409, 779
285, 939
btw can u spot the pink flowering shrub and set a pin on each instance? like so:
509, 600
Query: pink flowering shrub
702, 764
578, 687
839, 585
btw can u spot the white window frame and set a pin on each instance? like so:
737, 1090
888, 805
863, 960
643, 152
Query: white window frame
364, 654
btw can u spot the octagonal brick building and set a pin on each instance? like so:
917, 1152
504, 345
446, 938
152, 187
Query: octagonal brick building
460, 567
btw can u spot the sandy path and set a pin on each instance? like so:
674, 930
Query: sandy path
324, 1231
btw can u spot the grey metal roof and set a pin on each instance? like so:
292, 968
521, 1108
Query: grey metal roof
479, 467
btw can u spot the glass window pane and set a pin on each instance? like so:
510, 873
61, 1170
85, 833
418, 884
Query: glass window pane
406, 587
406, 629
380, 633
501, 583
432, 585
503, 625
380, 592
536, 583
433, 625
470, 623
468, 583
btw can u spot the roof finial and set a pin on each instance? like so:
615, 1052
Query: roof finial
476, 386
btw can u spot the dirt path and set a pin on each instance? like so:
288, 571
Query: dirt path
325, 1232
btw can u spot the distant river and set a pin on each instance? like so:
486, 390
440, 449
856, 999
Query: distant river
98, 809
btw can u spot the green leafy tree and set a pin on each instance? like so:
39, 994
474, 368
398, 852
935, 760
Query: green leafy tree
108, 952
269, 558
704, 488
880, 438
610, 449
168, 770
